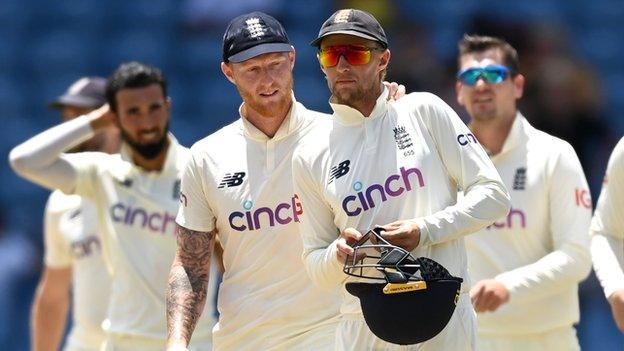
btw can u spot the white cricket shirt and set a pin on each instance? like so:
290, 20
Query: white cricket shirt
136, 211
405, 161
240, 181
607, 226
539, 251
72, 241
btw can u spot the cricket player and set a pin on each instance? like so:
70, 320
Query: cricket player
397, 165
73, 263
526, 266
239, 183
135, 194
607, 235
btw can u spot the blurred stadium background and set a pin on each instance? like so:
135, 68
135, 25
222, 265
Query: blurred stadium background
571, 52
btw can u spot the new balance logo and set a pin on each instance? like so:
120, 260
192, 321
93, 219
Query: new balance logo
232, 179
338, 171
519, 182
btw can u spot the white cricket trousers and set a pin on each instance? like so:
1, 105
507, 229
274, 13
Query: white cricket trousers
562, 339
458, 335
117, 342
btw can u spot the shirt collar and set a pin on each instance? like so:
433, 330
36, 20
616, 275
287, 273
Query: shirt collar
517, 135
291, 123
170, 159
348, 115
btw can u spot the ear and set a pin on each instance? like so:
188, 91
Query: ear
226, 68
168, 103
518, 82
291, 57
384, 60
460, 97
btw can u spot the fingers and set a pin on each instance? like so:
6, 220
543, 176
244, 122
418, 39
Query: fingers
400, 92
403, 234
484, 298
343, 245
351, 235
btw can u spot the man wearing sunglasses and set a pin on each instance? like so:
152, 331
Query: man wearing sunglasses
394, 164
526, 266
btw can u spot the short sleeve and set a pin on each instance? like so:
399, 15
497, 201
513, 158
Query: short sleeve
57, 249
194, 212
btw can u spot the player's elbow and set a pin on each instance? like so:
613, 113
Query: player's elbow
18, 159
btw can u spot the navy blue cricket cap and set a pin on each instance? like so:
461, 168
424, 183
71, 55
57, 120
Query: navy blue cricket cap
352, 22
85, 92
253, 34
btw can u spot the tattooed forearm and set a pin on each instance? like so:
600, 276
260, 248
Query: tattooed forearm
188, 282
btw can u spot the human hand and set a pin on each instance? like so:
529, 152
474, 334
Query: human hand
343, 247
395, 90
616, 300
402, 233
102, 118
488, 295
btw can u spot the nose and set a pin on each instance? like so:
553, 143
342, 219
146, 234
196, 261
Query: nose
481, 84
342, 64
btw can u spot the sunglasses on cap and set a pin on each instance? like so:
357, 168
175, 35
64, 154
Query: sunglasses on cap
491, 74
354, 54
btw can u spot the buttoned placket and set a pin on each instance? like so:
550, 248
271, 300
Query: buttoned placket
270, 155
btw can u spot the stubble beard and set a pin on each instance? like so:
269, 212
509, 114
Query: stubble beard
355, 97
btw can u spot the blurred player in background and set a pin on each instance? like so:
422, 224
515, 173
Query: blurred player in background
239, 183
526, 266
405, 157
73, 252
607, 230
136, 195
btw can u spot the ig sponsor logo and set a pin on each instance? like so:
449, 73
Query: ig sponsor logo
582, 198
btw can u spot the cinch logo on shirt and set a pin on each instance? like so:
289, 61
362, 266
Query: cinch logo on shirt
514, 217
465, 139
282, 214
395, 185
131, 216
85, 247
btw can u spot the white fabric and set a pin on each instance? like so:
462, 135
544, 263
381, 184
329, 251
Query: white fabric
607, 226
72, 241
458, 335
540, 250
561, 339
136, 216
240, 181
40, 158
405, 162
